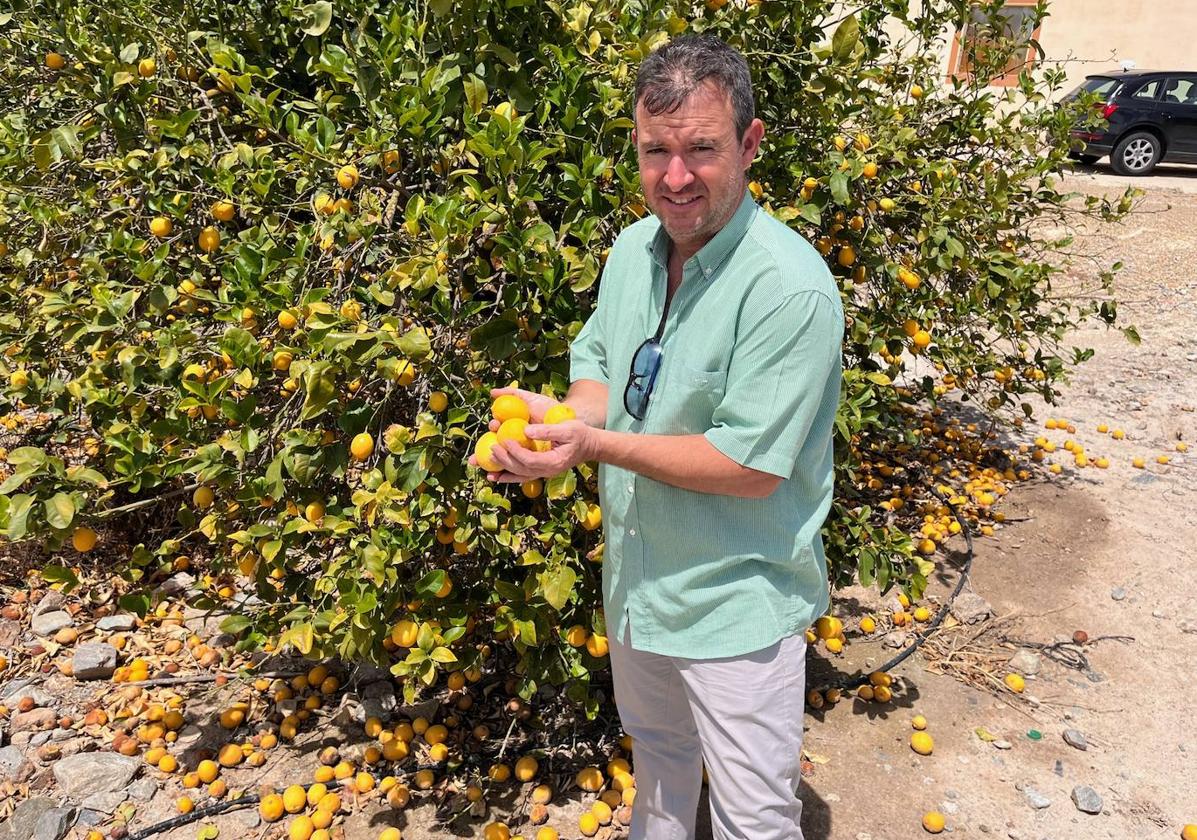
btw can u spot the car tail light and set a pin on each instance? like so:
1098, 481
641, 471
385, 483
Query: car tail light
1109, 110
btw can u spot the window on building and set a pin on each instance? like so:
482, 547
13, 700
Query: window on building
975, 39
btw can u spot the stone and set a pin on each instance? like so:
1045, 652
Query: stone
1036, 799
119, 623
33, 720
173, 585
53, 824
52, 600
49, 623
1118, 593
94, 661
1086, 799
969, 608
14, 765
105, 803
24, 820
1025, 662
81, 775
40, 698
1074, 738
143, 790
10, 631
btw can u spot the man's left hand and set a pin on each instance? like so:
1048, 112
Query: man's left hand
574, 442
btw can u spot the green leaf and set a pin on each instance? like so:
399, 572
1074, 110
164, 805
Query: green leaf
234, 624
557, 585
846, 36
60, 510
319, 15
475, 91
321, 386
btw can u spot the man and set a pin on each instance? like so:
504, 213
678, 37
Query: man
705, 385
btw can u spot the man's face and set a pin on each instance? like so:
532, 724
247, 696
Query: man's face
692, 164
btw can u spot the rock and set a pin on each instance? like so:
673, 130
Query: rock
94, 661
33, 720
1074, 738
21, 824
53, 824
120, 623
1086, 799
173, 585
14, 765
105, 803
40, 698
49, 623
84, 774
52, 600
10, 631
143, 790
969, 608
1025, 662
1118, 593
1036, 799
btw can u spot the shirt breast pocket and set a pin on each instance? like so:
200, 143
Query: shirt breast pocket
684, 400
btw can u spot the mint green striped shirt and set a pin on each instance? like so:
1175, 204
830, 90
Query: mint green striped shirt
752, 362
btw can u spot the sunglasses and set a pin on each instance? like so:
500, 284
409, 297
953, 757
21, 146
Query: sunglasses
646, 364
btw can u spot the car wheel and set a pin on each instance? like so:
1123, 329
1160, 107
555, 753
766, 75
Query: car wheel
1136, 154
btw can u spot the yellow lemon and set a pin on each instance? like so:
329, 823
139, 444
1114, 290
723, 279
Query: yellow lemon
83, 539
209, 240
559, 414
922, 743
362, 446
509, 407
347, 176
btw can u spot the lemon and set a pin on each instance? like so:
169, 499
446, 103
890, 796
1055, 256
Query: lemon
933, 822
347, 176
362, 446
508, 407
83, 539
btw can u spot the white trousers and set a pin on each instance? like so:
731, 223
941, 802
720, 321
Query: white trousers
741, 716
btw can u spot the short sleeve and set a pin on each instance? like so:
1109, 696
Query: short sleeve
588, 352
782, 383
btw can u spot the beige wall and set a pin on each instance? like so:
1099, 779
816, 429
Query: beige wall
1094, 36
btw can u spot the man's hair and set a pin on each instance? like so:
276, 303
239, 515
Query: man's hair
673, 71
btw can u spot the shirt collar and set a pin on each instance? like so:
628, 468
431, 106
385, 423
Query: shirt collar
709, 256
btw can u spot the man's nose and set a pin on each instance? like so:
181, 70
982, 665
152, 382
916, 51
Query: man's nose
678, 176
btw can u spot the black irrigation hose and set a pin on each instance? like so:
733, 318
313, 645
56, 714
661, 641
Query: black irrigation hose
849, 683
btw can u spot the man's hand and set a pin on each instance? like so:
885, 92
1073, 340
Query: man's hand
574, 443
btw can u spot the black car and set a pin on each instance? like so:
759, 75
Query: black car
1149, 116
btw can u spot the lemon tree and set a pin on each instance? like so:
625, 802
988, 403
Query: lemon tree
261, 263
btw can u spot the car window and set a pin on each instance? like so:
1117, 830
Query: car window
1101, 85
1147, 91
1181, 90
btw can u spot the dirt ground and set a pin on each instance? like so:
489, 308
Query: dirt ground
1073, 545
